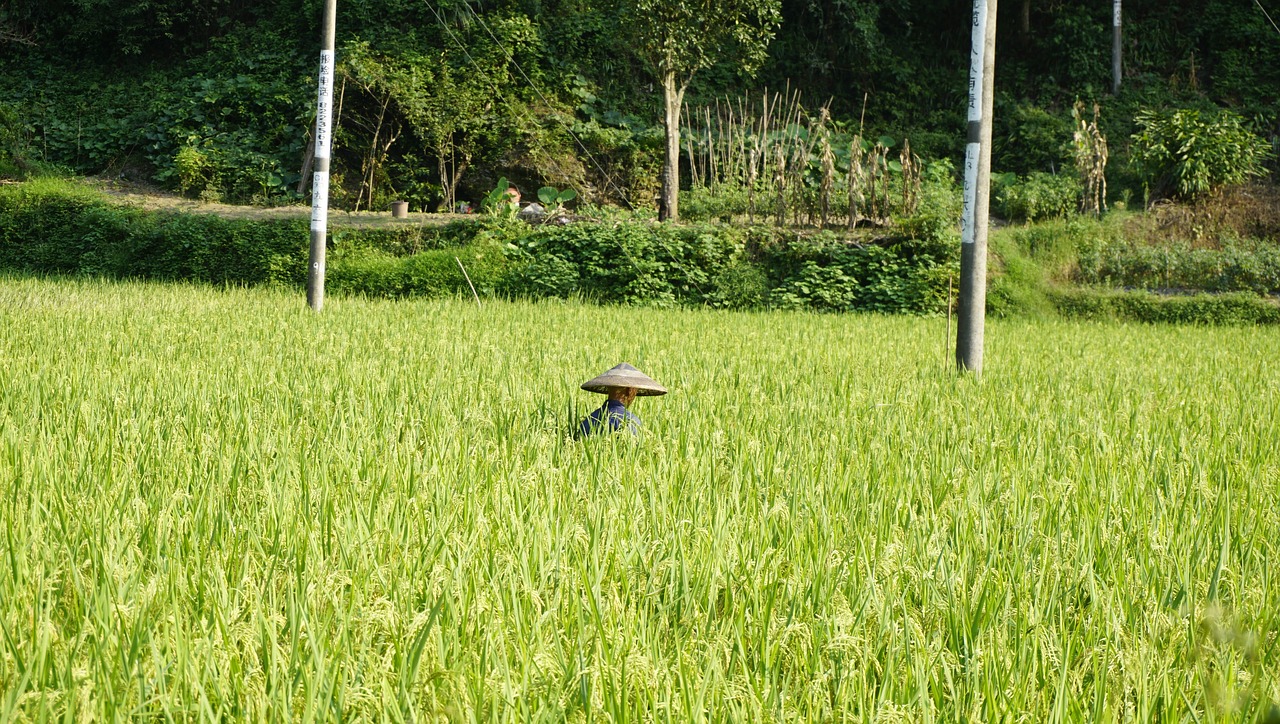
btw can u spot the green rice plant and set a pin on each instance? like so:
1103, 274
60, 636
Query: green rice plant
216, 505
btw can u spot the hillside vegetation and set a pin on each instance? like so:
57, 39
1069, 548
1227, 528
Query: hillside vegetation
437, 101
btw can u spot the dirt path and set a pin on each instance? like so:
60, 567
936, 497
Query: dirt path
155, 200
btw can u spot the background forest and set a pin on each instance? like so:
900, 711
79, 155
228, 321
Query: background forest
438, 101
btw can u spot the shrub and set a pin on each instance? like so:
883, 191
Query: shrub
408, 239
52, 226
1236, 212
437, 272
1018, 286
366, 272
741, 285
1034, 140
822, 288
721, 202
936, 219
1239, 265
1208, 309
433, 273
1028, 261
15, 144
1036, 196
62, 228
546, 275
829, 273
628, 262
1186, 153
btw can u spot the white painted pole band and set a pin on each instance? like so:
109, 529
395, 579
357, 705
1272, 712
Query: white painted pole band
975, 59
967, 226
324, 105
1117, 48
320, 201
973, 146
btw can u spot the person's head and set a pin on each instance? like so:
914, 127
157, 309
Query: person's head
513, 195
624, 395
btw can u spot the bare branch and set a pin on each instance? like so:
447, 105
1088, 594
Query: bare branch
13, 35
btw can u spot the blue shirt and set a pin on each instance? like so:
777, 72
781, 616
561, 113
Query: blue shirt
613, 414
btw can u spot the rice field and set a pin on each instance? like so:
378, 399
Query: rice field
218, 506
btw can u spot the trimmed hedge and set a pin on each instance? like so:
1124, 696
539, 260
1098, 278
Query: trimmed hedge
437, 272
57, 227
409, 239
1237, 308
732, 267
1241, 265
54, 227
625, 263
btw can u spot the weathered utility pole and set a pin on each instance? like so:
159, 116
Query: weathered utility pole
323, 138
971, 314
1116, 50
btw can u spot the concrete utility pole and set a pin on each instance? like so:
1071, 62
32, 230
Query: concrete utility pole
1116, 50
324, 136
971, 315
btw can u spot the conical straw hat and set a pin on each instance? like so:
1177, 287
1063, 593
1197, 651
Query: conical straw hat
624, 375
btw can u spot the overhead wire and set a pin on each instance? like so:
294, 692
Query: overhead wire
1267, 14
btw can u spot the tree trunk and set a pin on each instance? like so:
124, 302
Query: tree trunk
673, 98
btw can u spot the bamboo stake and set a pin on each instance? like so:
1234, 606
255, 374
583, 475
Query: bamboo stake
946, 340
468, 278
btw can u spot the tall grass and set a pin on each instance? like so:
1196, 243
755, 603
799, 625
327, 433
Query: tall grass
219, 506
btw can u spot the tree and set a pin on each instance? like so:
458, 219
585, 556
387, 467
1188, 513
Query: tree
677, 38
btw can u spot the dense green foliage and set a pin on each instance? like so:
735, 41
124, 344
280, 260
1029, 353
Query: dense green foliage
433, 273
1107, 254
1034, 197
53, 227
1136, 306
1093, 269
1186, 153
1249, 266
220, 507
439, 100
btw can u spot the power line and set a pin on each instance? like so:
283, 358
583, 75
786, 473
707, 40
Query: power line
1267, 14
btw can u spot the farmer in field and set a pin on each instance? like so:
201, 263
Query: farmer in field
622, 384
